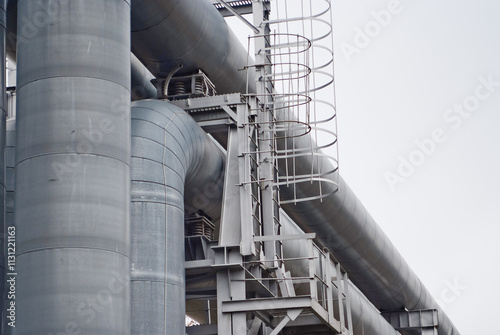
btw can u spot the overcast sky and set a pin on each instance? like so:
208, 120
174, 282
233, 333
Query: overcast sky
432, 74
418, 97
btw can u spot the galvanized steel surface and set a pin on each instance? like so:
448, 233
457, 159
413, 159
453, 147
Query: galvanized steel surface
170, 152
347, 229
141, 81
166, 33
72, 187
10, 142
366, 318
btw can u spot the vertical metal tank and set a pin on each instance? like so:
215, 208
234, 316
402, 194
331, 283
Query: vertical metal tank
72, 187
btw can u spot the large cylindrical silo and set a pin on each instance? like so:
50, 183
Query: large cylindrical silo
72, 188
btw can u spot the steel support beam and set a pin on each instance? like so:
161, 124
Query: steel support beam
421, 322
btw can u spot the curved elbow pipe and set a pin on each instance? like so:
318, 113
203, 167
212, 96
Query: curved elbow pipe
170, 153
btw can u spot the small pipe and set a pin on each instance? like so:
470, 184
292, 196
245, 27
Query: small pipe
162, 93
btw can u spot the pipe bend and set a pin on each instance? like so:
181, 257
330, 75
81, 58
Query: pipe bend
176, 170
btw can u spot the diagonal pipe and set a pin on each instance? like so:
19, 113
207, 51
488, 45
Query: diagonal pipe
170, 30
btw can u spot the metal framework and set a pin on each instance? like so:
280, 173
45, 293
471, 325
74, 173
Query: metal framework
255, 292
422, 322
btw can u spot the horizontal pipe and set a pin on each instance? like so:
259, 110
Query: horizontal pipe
141, 85
166, 33
346, 228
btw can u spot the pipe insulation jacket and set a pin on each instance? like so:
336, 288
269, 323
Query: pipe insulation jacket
168, 33
72, 186
366, 318
178, 28
141, 87
73, 86
346, 228
141, 81
170, 153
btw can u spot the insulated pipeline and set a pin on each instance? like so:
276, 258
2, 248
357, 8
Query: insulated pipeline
170, 153
141, 81
72, 186
172, 27
166, 33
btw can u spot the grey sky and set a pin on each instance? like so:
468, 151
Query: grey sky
393, 94
444, 217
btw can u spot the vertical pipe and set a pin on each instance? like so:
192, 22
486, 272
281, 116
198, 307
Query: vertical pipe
3, 113
170, 152
72, 186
